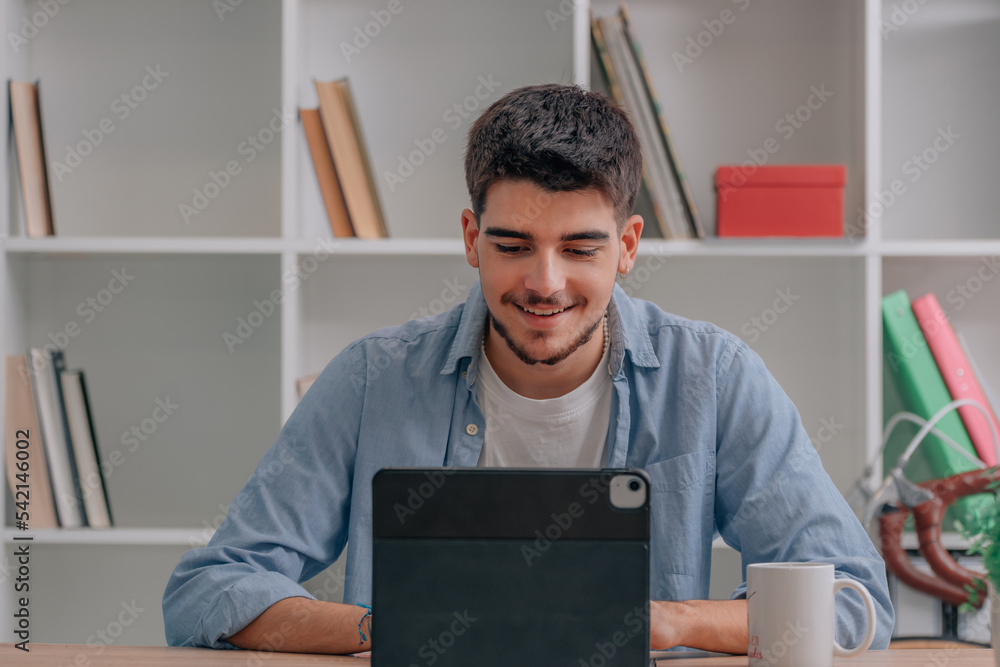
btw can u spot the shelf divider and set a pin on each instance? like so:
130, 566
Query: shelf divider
92, 536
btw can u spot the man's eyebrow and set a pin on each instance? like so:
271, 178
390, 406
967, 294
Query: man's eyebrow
503, 232
586, 236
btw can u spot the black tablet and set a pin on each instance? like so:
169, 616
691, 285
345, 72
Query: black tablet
500, 566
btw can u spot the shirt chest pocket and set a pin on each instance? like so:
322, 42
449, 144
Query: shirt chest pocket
682, 515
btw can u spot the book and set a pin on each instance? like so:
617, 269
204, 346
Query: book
665, 198
680, 189
923, 392
329, 186
85, 450
58, 449
957, 373
25, 114
604, 81
350, 158
23, 435
302, 384
57, 362
983, 381
609, 78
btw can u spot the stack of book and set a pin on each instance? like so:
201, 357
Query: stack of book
622, 75
929, 367
52, 458
341, 161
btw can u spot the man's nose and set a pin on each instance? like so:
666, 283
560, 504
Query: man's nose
546, 276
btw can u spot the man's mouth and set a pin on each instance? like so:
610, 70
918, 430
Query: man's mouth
542, 312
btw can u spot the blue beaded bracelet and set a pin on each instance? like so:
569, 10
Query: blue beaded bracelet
366, 618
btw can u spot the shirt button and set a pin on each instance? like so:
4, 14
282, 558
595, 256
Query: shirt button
472, 429
464, 374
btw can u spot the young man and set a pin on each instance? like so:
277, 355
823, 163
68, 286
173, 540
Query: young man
547, 363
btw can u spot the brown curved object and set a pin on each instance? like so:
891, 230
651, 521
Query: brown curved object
955, 580
929, 515
897, 562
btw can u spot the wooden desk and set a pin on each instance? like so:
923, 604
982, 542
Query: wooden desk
79, 655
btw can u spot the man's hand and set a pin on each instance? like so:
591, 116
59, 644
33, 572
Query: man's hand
710, 625
301, 625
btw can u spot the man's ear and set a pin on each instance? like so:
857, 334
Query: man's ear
630, 243
470, 234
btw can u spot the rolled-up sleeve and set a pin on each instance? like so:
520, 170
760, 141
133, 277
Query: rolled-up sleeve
287, 524
776, 502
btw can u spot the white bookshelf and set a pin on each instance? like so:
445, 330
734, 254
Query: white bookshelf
120, 536
228, 77
132, 245
710, 247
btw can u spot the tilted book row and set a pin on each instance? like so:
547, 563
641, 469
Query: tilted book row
341, 161
333, 133
929, 366
52, 458
622, 75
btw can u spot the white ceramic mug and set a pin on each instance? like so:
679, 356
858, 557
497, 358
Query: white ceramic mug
790, 614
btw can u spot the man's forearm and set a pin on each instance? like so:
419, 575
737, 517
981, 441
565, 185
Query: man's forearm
301, 625
711, 625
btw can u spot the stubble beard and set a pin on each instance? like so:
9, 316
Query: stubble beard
521, 354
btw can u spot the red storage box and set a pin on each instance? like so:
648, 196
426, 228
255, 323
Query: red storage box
792, 200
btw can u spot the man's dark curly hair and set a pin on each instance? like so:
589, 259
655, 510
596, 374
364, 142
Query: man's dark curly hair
559, 137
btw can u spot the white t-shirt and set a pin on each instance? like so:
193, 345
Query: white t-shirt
568, 431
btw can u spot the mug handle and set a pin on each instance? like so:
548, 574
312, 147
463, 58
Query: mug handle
869, 607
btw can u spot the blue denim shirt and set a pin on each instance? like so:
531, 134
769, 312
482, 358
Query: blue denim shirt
693, 406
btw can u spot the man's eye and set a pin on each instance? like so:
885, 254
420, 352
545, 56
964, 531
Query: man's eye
509, 249
580, 252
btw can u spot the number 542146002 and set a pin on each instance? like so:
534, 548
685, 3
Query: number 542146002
22, 465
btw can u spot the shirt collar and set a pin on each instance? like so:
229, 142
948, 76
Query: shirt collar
628, 333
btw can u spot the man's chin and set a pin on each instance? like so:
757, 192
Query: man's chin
542, 347
548, 357
548, 353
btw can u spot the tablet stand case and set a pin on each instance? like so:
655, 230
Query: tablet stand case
507, 567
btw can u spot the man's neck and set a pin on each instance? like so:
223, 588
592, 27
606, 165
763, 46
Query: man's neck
541, 381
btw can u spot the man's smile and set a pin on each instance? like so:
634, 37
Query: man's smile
542, 312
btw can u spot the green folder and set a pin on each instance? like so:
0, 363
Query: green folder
911, 368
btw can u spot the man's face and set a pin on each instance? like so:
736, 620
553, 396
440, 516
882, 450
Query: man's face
547, 264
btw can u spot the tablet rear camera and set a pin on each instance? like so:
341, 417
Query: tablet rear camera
628, 492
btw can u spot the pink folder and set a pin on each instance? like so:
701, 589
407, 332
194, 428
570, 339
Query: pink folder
957, 374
